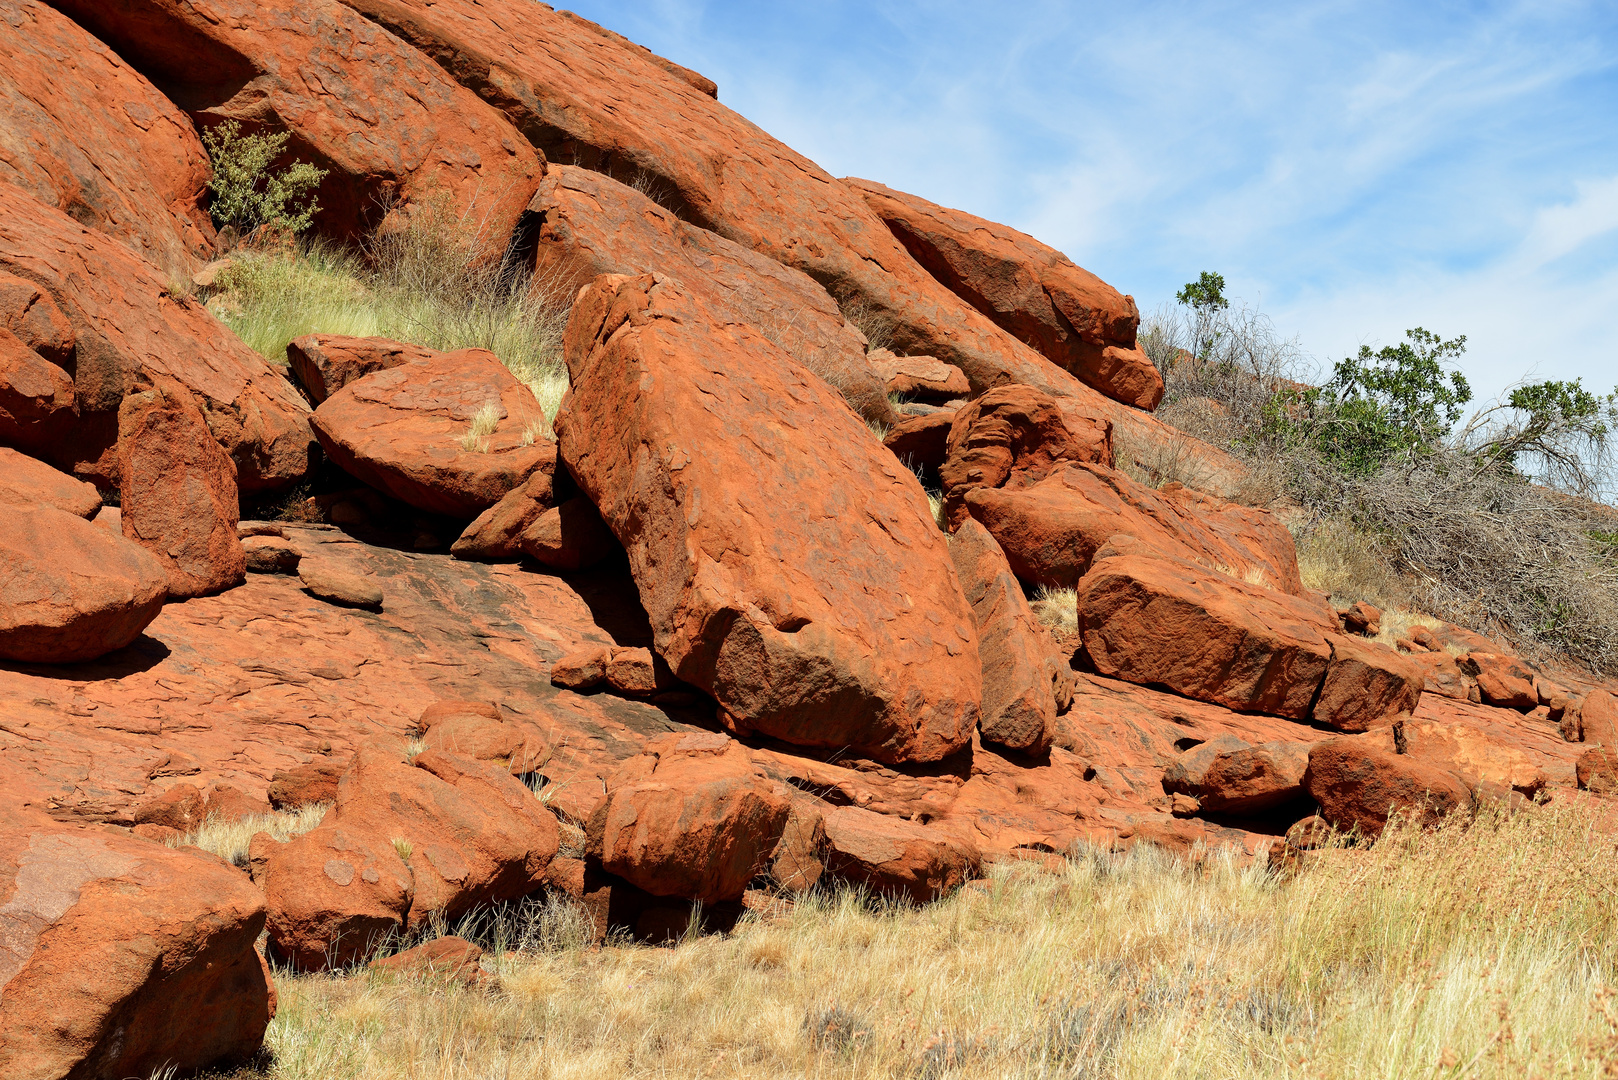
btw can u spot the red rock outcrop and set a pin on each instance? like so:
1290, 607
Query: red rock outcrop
1365, 684
1358, 781
413, 431
571, 536
1504, 681
393, 130
1051, 529
694, 817
894, 857
127, 331
179, 491
788, 563
1019, 659
69, 591
921, 441
26, 482
1228, 775
452, 958
1032, 291
591, 225
919, 377
121, 957
325, 363
497, 532
36, 396
83, 132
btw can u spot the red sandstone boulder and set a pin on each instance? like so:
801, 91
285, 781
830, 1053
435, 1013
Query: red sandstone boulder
182, 808
1014, 436
496, 534
1441, 674
1504, 681
86, 134
571, 536
473, 733
894, 857
451, 434
921, 441
1598, 719
405, 841
1020, 665
395, 132
1362, 618
452, 958
36, 396
1164, 621
28, 483
1052, 528
1228, 775
593, 225
306, 785
1033, 291
179, 491
325, 363
326, 582
1365, 683
1598, 770
128, 332
789, 565
693, 816
69, 591
919, 377
120, 957
582, 670
1358, 781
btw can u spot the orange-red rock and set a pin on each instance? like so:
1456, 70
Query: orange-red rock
894, 857
306, 785
789, 565
83, 132
569, 536
920, 441
122, 957
393, 130
583, 669
591, 225
1365, 683
128, 332
1228, 775
36, 396
182, 808
1052, 528
497, 532
1165, 621
694, 817
26, 482
179, 491
1598, 770
1598, 719
1441, 674
69, 591
325, 363
919, 377
1014, 436
452, 958
1362, 618
1020, 665
1358, 781
474, 734
1504, 681
409, 431
1034, 292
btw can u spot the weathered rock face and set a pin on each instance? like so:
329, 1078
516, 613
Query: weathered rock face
694, 817
1504, 681
1170, 622
591, 225
325, 363
411, 431
69, 591
1014, 436
36, 396
1228, 775
405, 841
497, 532
125, 331
1051, 529
787, 562
1358, 781
571, 536
920, 441
83, 132
921, 378
1019, 661
26, 482
179, 491
386, 123
1365, 684
1034, 292
120, 957
892, 856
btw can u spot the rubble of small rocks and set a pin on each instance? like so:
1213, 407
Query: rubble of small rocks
701, 638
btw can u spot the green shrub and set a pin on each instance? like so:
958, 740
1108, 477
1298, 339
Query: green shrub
246, 194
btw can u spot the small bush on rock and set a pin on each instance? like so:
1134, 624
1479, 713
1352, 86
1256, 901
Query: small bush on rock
247, 194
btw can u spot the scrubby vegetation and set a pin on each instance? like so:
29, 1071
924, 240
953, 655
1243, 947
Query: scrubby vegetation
246, 194
1496, 524
1481, 951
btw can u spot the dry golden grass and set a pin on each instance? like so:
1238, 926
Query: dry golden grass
229, 839
1481, 952
1056, 608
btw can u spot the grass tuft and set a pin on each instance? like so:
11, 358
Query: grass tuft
229, 839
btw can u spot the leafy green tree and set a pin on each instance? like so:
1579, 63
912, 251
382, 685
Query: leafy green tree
1555, 430
1206, 299
246, 194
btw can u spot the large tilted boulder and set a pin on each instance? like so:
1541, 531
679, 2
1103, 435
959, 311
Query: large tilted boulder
83, 132
407, 840
412, 432
325, 363
394, 131
1034, 292
693, 816
1020, 665
1229, 775
179, 491
125, 330
789, 565
1366, 683
70, 591
593, 225
121, 957
26, 482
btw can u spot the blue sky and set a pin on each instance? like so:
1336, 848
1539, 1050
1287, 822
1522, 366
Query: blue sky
1355, 168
